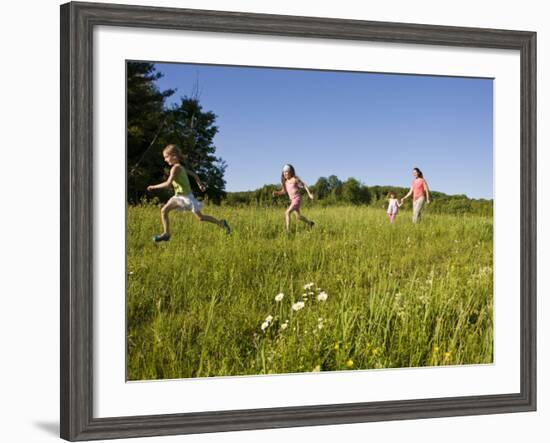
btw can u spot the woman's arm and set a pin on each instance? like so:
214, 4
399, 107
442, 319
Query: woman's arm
305, 187
197, 179
427, 191
168, 181
408, 195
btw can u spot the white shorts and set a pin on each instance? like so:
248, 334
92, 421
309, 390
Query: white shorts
186, 203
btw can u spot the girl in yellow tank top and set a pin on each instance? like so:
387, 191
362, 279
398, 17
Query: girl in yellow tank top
183, 198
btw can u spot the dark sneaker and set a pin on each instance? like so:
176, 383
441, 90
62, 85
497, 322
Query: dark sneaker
159, 238
225, 226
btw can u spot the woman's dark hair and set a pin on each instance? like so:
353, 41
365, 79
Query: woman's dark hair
419, 172
291, 171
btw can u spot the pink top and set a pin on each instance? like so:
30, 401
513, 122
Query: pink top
418, 188
292, 189
393, 206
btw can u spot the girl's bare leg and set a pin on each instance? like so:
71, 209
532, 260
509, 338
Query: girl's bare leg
208, 218
302, 218
164, 216
287, 218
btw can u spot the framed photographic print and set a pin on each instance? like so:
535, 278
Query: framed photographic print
273, 221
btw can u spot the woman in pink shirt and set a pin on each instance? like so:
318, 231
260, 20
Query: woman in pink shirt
420, 192
291, 185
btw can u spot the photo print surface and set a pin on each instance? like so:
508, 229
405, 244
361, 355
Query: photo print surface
287, 221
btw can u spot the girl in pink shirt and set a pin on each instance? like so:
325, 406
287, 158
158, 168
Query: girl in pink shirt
393, 206
291, 185
420, 192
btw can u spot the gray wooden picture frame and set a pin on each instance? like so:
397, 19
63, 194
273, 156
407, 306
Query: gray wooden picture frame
77, 214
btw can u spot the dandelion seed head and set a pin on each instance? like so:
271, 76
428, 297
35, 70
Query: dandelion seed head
279, 297
308, 286
265, 325
298, 305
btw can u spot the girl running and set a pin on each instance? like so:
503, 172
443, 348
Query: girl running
183, 198
291, 185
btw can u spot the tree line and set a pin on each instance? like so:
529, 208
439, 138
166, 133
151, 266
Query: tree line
331, 191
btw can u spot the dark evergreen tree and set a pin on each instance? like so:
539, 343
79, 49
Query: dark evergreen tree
145, 116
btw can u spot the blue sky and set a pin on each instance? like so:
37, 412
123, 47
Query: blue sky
374, 127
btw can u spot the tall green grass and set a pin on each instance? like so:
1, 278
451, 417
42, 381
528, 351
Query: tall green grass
399, 295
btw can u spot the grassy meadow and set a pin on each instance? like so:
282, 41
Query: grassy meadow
376, 295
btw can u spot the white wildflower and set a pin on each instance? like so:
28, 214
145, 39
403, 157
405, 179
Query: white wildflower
308, 286
279, 297
284, 326
320, 326
322, 296
298, 305
265, 325
269, 319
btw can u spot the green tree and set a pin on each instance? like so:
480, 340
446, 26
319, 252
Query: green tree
193, 130
264, 195
354, 192
145, 117
335, 186
321, 188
